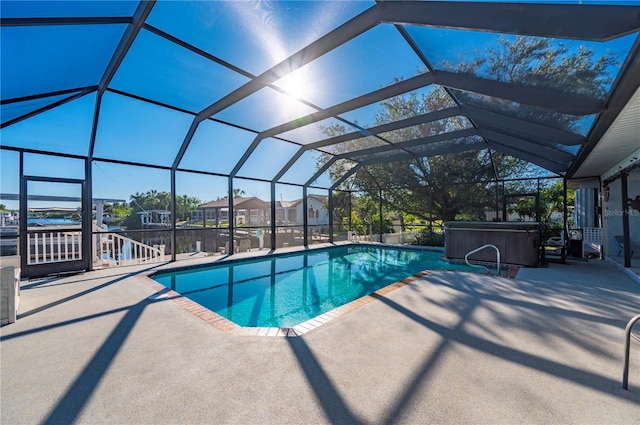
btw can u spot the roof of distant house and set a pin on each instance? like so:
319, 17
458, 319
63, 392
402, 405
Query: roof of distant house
240, 203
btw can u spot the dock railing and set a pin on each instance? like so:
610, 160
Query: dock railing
113, 249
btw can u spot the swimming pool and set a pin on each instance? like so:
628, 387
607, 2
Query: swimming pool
288, 289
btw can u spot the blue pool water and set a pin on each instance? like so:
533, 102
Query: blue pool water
285, 290
31, 221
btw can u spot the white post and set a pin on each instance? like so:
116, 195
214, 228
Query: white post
51, 258
260, 239
36, 242
99, 212
59, 250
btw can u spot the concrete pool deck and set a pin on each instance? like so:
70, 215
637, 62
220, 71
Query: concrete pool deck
450, 347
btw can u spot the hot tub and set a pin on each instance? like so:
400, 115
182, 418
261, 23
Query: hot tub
518, 243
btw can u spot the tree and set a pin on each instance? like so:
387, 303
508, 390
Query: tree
435, 182
119, 211
365, 216
341, 209
551, 207
443, 181
185, 204
154, 200
122, 209
237, 193
151, 200
534, 61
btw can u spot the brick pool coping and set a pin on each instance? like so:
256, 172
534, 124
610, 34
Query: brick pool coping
232, 328
229, 327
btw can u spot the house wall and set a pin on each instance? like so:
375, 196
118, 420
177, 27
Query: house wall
291, 216
210, 214
585, 202
323, 213
612, 214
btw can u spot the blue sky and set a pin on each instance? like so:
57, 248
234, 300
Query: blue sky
247, 35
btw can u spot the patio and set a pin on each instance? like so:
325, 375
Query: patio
545, 347
345, 121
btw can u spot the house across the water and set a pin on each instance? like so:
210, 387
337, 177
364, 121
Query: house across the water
253, 211
155, 218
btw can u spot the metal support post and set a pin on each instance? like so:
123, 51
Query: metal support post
431, 211
273, 214
305, 216
174, 218
380, 209
330, 208
349, 211
625, 219
231, 217
87, 209
563, 250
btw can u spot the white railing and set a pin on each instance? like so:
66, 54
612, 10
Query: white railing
466, 257
113, 249
50, 246
54, 246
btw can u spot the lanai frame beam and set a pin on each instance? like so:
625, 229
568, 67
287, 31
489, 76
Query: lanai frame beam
546, 98
128, 37
544, 135
494, 17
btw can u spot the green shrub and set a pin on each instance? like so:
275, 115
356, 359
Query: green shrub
429, 238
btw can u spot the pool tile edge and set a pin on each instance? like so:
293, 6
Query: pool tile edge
227, 326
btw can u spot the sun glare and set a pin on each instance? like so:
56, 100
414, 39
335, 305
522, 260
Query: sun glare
296, 84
